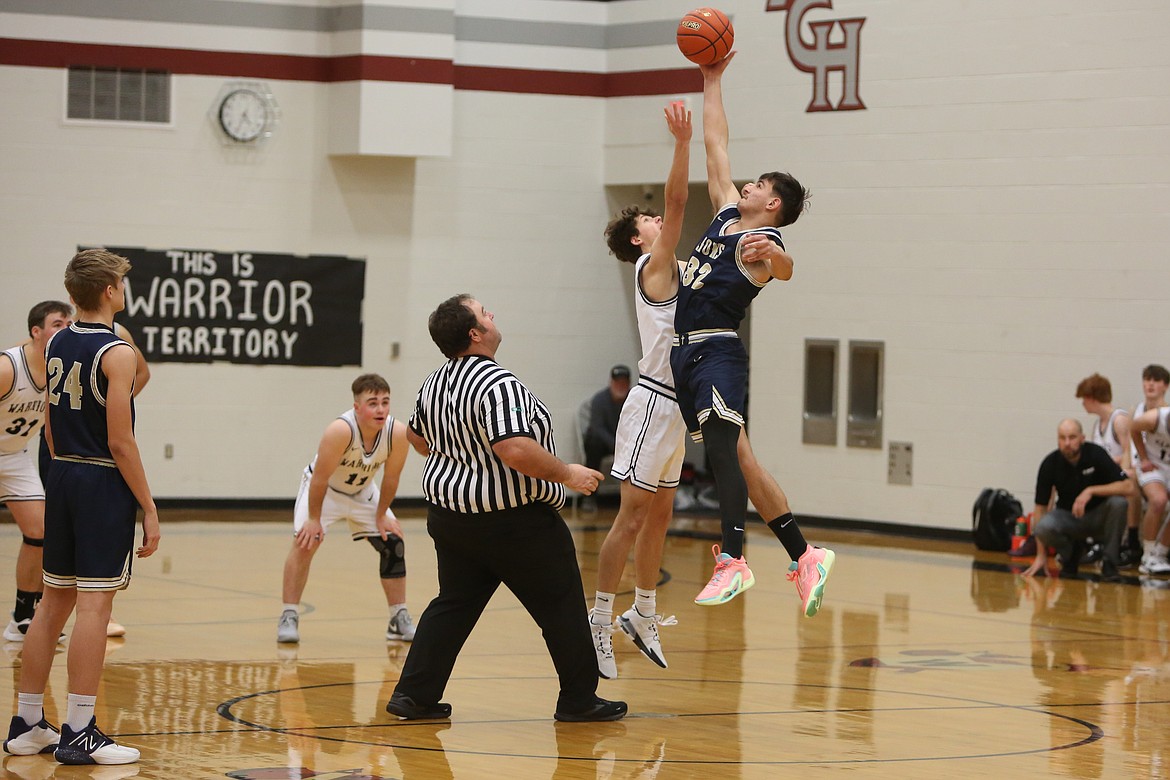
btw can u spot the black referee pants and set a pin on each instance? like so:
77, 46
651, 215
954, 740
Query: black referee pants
530, 550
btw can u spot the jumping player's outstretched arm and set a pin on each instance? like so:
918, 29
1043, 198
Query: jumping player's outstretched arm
715, 136
660, 274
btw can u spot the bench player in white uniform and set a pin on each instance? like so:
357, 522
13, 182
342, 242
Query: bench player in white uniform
1111, 429
1155, 381
1150, 432
339, 485
22, 414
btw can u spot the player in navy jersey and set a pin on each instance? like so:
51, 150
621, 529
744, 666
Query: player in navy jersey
740, 252
141, 377
94, 490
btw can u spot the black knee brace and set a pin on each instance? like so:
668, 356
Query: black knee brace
32, 542
392, 554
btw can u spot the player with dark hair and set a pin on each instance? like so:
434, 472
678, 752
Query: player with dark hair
22, 412
1150, 434
739, 253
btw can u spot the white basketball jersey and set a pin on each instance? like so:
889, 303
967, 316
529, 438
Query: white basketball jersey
22, 409
1108, 439
1138, 411
656, 331
1158, 440
358, 467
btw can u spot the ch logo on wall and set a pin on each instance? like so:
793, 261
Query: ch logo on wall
822, 57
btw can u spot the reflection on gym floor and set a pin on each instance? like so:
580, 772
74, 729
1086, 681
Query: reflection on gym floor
927, 659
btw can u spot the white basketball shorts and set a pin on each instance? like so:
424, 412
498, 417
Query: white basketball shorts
19, 479
357, 510
651, 440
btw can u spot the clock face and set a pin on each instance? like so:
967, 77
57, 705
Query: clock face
243, 115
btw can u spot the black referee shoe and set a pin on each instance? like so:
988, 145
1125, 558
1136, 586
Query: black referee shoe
600, 709
404, 707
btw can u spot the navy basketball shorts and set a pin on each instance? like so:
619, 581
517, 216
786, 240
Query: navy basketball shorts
710, 378
89, 527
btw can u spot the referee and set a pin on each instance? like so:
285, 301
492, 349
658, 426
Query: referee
493, 486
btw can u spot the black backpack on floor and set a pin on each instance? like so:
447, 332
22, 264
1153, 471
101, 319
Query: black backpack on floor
993, 519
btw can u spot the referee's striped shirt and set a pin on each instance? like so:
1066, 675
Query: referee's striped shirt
464, 407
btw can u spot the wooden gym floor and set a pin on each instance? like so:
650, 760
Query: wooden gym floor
927, 660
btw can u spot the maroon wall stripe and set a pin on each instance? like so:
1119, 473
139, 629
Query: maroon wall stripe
290, 67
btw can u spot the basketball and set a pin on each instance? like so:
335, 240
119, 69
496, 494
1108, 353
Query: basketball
705, 36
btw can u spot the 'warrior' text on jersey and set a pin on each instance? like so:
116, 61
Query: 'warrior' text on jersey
715, 289
357, 466
22, 408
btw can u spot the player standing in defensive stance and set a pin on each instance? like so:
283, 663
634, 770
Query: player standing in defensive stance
339, 485
94, 490
739, 253
22, 410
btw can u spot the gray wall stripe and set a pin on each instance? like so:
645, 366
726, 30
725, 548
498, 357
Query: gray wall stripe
240, 13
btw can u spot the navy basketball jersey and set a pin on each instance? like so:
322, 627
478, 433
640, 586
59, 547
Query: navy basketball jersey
77, 392
715, 289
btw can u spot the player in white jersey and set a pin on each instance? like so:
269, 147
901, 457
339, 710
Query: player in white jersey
650, 436
1111, 432
340, 485
22, 414
1151, 441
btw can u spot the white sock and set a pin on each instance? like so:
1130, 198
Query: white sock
294, 607
645, 601
30, 707
1160, 550
602, 609
395, 607
79, 712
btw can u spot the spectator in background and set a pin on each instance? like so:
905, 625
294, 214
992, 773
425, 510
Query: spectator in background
605, 408
1080, 492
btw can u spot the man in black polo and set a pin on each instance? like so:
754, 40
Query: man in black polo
1091, 498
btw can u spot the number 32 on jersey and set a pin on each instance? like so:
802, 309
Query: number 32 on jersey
694, 274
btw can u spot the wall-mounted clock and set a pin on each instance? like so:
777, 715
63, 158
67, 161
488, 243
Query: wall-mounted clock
245, 112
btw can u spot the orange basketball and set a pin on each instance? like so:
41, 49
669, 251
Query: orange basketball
705, 36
